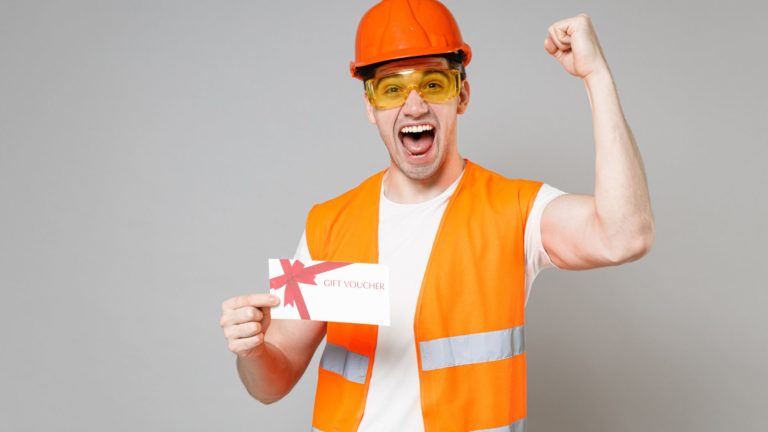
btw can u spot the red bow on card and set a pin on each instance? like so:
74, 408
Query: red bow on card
295, 273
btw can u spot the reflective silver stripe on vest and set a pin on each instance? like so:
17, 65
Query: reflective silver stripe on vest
471, 348
518, 426
350, 365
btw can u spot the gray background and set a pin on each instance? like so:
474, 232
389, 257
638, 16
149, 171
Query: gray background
154, 154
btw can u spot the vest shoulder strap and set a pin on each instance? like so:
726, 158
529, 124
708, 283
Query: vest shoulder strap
494, 192
350, 220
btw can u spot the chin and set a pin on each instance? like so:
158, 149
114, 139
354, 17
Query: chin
420, 172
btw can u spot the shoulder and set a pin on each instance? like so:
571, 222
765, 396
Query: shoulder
346, 218
338, 203
502, 188
349, 211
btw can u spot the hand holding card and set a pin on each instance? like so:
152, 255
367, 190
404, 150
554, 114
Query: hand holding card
330, 291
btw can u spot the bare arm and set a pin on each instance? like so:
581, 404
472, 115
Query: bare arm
269, 362
615, 225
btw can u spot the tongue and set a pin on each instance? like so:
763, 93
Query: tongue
417, 144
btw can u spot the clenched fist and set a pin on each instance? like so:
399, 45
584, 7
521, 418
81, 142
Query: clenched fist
245, 320
573, 42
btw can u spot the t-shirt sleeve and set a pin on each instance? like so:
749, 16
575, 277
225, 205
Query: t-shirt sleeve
302, 251
536, 258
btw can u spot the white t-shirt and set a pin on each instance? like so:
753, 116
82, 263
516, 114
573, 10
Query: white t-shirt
406, 234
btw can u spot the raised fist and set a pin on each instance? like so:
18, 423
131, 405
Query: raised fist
573, 42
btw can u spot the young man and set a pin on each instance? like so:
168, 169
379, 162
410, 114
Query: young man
457, 238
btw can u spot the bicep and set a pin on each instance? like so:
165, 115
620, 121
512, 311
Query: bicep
571, 235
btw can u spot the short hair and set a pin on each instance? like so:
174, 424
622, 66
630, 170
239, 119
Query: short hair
455, 60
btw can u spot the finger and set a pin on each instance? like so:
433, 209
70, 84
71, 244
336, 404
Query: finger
258, 300
567, 27
242, 346
549, 45
241, 315
242, 331
553, 33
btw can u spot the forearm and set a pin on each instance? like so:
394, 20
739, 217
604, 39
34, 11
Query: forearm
622, 202
267, 374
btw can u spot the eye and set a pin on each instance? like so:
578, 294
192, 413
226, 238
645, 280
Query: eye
433, 87
391, 90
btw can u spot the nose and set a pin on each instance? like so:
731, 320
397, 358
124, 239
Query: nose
415, 106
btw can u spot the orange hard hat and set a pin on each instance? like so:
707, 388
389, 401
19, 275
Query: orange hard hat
396, 29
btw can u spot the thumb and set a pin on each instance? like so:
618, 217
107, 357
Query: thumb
266, 319
549, 45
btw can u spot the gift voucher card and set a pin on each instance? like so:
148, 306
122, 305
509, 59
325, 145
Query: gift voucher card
330, 291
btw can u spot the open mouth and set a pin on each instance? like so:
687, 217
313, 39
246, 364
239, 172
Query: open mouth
417, 139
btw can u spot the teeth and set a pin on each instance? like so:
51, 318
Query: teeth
416, 129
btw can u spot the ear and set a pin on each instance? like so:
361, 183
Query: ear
463, 97
369, 109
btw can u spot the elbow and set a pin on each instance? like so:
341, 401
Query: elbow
642, 246
267, 399
263, 394
635, 244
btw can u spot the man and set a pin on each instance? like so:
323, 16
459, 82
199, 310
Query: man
463, 244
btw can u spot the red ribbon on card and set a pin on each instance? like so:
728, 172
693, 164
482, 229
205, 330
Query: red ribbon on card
295, 273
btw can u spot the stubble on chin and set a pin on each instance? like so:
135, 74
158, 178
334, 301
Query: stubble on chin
421, 172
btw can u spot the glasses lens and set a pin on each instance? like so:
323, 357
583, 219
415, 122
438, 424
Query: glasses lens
435, 86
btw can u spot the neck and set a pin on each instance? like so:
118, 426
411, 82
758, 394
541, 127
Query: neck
404, 190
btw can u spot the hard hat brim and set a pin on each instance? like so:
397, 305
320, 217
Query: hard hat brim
354, 66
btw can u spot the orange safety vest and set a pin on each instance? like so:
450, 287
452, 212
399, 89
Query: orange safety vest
470, 313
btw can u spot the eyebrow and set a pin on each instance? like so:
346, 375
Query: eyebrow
425, 70
437, 64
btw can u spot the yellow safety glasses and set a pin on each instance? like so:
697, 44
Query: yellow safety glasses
433, 85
